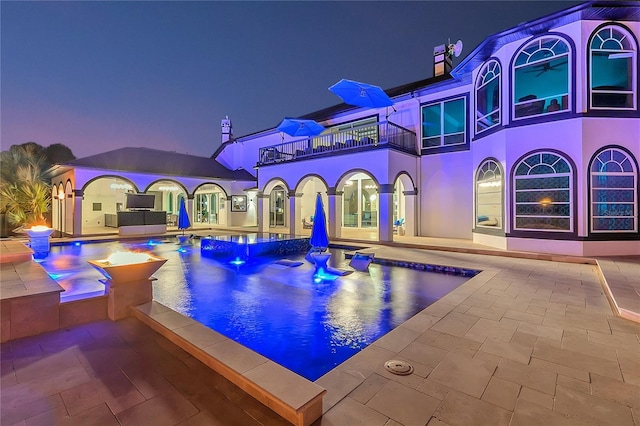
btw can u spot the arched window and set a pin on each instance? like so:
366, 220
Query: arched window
543, 193
489, 195
614, 185
612, 62
488, 96
542, 78
276, 206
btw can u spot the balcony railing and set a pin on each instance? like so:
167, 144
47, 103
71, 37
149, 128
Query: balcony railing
384, 134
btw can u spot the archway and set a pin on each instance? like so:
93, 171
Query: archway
404, 205
305, 202
360, 201
167, 193
103, 198
210, 205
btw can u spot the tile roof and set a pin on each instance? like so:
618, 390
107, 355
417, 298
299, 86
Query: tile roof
147, 160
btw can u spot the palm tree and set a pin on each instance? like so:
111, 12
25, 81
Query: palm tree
24, 194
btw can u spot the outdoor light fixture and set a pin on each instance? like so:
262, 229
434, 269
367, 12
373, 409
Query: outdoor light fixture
60, 198
169, 188
545, 202
121, 186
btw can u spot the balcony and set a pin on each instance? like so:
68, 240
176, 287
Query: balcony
372, 136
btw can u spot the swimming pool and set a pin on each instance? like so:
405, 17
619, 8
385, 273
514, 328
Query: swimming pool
276, 310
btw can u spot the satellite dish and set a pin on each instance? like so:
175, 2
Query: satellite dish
457, 48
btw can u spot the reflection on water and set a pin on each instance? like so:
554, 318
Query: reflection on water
278, 311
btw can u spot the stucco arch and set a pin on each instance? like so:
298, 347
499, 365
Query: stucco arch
342, 180
272, 183
92, 180
184, 188
224, 191
306, 178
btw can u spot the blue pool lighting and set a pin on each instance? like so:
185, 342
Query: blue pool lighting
77, 243
305, 320
237, 261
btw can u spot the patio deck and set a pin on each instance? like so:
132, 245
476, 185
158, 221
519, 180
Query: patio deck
527, 341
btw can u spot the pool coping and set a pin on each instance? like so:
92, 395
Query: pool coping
292, 396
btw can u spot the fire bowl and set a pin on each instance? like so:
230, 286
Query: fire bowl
125, 267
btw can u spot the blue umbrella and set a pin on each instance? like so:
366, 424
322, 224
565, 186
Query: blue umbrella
319, 236
361, 94
183, 217
299, 127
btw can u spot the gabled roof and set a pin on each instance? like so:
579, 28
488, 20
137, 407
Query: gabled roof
147, 160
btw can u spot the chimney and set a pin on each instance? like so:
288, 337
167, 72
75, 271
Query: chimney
227, 130
442, 62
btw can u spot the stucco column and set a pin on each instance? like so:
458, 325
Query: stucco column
385, 213
190, 208
335, 212
295, 222
263, 212
411, 213
76, 230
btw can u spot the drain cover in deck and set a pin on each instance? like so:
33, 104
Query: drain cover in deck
401, 368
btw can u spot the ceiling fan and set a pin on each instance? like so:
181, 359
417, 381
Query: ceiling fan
544, 67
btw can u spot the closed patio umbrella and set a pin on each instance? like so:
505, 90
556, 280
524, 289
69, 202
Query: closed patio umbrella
319, 235
183, 217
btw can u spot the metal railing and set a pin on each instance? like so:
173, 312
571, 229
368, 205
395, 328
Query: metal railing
383, 134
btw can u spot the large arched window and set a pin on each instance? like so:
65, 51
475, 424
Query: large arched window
614, 185
543, 193
542, 78
612, 62
488, 96
489, 195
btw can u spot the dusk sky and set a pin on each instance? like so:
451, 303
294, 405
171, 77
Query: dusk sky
97, 76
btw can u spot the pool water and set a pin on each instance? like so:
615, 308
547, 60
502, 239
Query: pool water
278, 311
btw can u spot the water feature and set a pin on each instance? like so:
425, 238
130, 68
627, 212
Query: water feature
277, 310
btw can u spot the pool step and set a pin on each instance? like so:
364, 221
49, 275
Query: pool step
293, 397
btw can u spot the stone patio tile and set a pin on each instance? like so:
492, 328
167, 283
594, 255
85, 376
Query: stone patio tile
225, 414
614, 390
575, 384
421, 322
458, 409
526, 375
434, 389
11, 414
428, 337
402, 404
480, 305
501, 393
97, 416
424, 354
464, 374
525, 317
398, 339
368, 388
166, 409
578, 343
623, 325
41, 387
435, 422
456, 344
540, 330
367, 362
123, 402
455, 323
591, 409
351, 412
338, 385
617, 339
551, 367
629, 366
511, 350
499, 330
529, 414
172, 319
29, 368
575, 320
235, 356
491, 313
148, 382
95, 392
539, 398
577, 360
